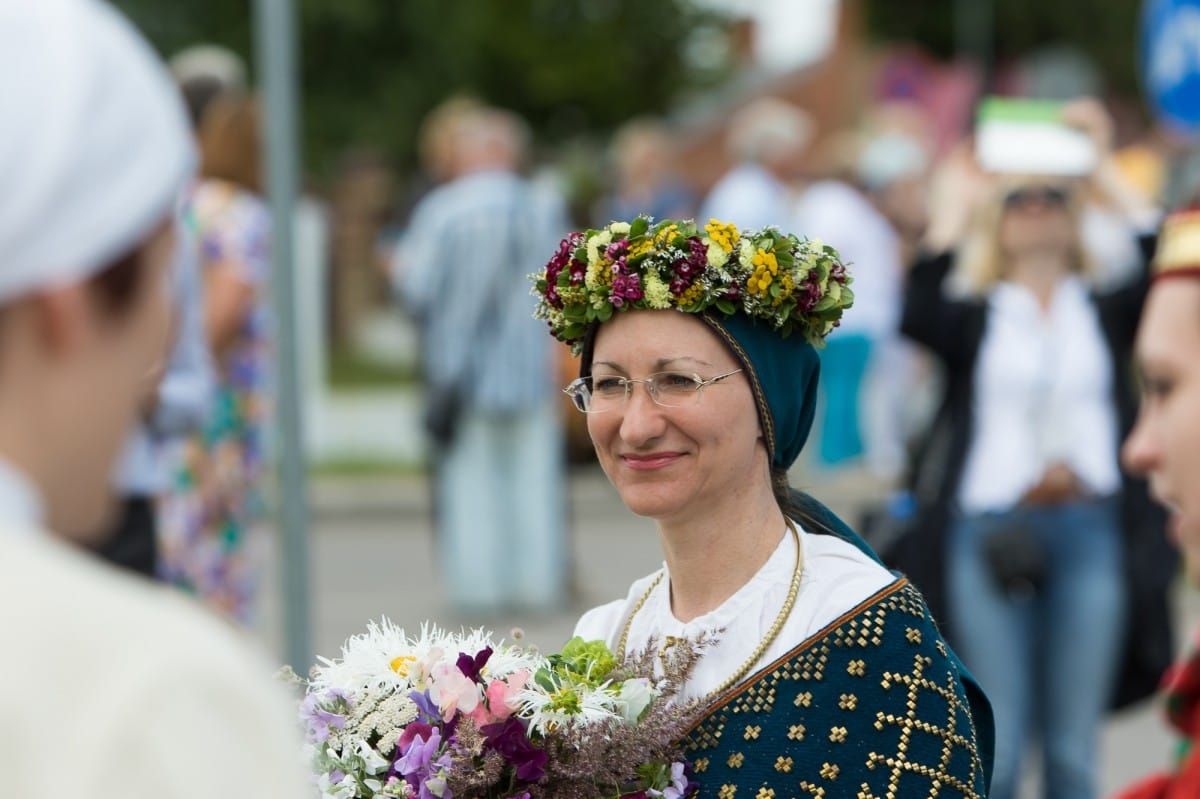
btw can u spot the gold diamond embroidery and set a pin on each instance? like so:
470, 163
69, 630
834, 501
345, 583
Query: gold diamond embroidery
766, 793
701, 765
848, 702
796, 732
838, 735
784, 765
914, 683
752, 731
804, 699
814, 790
727, 791
856, 668
830, 771
736, 760
913, 635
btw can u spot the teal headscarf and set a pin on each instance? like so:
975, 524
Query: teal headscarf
783, 375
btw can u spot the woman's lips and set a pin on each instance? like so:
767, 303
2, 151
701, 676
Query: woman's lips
650, 462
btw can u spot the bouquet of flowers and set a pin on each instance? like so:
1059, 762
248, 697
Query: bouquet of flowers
461, 716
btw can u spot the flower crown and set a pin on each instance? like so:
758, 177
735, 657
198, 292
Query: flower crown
797, 285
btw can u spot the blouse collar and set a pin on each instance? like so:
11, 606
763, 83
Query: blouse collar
20, 503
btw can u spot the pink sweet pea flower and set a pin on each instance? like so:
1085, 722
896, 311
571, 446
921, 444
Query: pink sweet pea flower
452, 691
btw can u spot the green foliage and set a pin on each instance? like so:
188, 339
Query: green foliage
370, 69
1106, 31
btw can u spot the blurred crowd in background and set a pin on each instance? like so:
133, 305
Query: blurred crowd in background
925, 397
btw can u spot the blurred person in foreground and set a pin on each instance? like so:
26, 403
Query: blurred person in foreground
1036, 524
212, 517
113, 686
766, 141
1165, 446
491, 407
823, 673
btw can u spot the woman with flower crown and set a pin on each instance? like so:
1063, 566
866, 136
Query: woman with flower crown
698, 377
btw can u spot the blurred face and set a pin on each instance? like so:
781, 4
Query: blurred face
1036, 218
106, 380
675, 463
1165, 442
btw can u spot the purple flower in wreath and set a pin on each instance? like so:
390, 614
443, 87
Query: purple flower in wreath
471, 667
617, 249
809, 294
838, 272
626, 288
509, 739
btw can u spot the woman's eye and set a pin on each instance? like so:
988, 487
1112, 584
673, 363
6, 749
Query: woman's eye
671, 380
608, 385
1156, 387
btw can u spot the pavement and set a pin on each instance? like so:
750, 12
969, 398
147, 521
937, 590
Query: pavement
372, 554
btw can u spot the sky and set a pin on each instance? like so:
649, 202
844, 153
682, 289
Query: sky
790, 33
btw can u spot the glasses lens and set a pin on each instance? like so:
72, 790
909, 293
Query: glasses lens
672, 388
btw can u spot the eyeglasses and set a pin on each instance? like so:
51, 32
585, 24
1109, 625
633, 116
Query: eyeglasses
599, 393
1046, 196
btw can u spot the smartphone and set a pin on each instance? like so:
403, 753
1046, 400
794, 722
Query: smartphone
1028, 137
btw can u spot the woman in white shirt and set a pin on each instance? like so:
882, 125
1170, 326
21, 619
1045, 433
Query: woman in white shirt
699, 390
1028, 486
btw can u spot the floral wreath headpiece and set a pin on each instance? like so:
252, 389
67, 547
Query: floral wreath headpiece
797, 285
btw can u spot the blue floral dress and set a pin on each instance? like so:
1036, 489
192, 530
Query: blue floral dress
210, 521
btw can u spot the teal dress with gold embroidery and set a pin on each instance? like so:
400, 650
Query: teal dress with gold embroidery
875, 706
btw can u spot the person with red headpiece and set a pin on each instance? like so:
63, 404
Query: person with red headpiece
1165, 446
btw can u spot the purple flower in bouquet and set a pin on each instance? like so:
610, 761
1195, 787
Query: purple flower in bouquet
419, 763
471, 667
425, 705
509, 738
318, 720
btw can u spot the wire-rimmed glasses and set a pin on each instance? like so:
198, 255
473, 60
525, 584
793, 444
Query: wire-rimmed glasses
599, 393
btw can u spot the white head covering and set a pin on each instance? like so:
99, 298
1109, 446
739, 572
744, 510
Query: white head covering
94, 143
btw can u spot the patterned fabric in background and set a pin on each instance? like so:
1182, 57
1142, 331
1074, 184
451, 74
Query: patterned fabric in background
210, 519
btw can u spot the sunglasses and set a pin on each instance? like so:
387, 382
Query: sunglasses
1046, 196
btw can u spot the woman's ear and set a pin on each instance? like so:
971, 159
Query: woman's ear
63, 316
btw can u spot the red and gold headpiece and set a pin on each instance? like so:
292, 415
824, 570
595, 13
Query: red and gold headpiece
1179, 246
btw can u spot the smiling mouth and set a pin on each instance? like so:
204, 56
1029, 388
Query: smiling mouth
646, 463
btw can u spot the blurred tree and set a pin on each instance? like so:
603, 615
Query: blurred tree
372, 68
1106, 32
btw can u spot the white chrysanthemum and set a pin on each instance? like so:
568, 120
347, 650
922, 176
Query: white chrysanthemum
716, 255
367, 661
507, 660
384, 657
571, 706
619, 228
745, 253
656, 292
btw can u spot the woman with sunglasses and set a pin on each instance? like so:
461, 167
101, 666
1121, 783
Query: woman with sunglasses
1024, 537
824, 672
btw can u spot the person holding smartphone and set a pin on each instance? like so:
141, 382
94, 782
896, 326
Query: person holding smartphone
1023, 547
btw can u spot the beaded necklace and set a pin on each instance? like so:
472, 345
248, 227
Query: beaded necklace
772, 633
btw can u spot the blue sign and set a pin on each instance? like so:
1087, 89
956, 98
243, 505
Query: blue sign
1170, 61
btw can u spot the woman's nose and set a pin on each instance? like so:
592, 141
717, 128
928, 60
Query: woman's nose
1139, 453
643, 418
